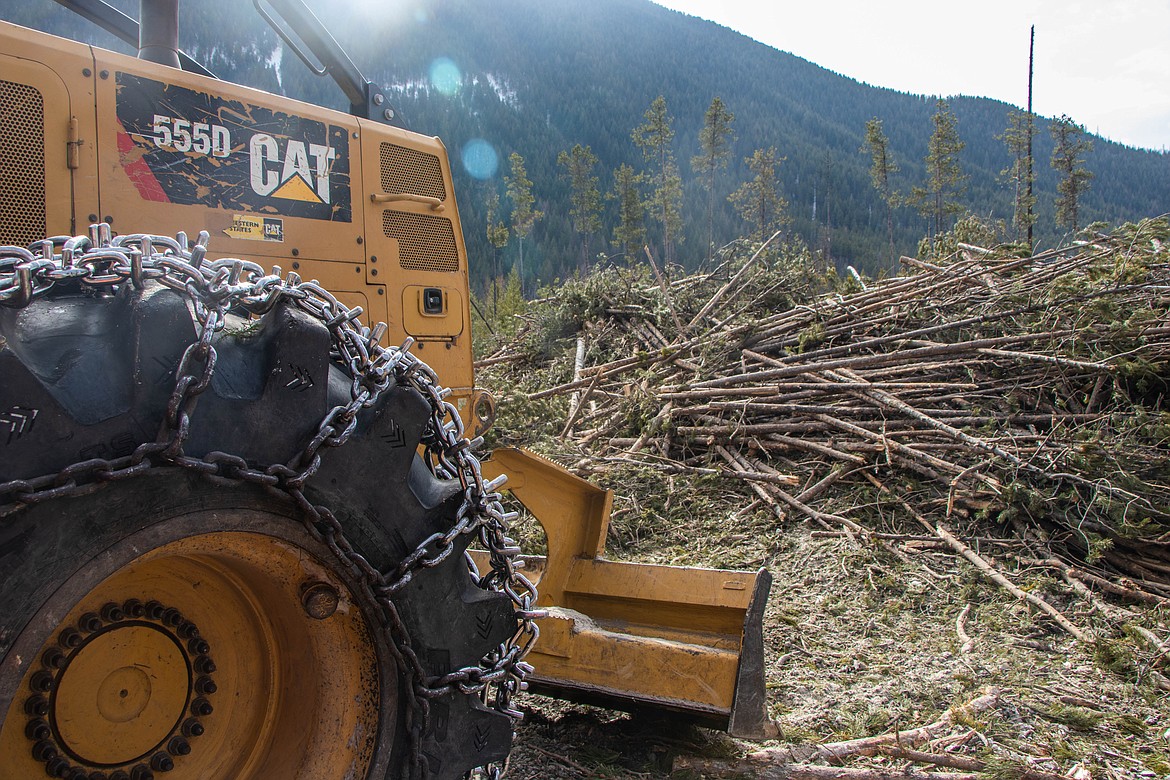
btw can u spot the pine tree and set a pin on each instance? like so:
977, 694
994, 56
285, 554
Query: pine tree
631, 226
520, 193
1019, 175
654, 138
497, 236
715, 141
945, 182
880, 170
1070, 146
758, 200
584, 198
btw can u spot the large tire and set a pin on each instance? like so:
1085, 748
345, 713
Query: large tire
196, 625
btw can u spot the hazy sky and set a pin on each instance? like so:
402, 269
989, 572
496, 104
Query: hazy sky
1105, 63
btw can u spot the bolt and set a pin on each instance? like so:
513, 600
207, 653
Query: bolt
44, 750
141, 772
96, 776
172, 617
320, 600
119, 775
36, 705
154, 611
178, 746
41, 681
192, 728
204, 665
56, 767
134, 608
70, 638
90, 622
188, 630
161, 762
112, 613
37, 730
199, 646
379, 99
201, 708
54, 658
205, 685
388, 113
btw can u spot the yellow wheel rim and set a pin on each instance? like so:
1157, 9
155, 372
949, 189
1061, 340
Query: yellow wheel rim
222, 655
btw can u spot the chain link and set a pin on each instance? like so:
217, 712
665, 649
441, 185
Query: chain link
215, 287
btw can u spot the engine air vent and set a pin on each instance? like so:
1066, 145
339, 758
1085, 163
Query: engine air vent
22, 164
411, 171
425, 243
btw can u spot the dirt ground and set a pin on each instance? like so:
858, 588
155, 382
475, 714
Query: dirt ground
862, 640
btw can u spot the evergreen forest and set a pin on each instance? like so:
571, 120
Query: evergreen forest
570, 89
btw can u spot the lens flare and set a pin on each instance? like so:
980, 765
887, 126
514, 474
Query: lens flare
480, 159
445, 76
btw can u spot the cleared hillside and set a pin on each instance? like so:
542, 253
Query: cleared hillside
958, 476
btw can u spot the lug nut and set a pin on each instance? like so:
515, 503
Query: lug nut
204, 665
154, 611
41, 681
192, 728
178, 746
54, 658
36, 706
172, 617
161, 762
70, 638
199, 646
141, 772
37, 730
133, 608
112, 613
56, 767
90, 622
205, 685
201, 708
96, 776
44, 750
187, 630
118, 774
320, 600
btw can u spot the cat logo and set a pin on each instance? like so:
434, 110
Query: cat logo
299, 171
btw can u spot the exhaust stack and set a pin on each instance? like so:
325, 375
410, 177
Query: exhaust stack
158, 32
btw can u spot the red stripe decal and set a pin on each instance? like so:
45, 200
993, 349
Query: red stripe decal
133, 162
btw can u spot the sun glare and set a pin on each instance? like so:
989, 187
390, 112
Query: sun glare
480, 159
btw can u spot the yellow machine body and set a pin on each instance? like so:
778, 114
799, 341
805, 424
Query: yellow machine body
369, 211
366, 209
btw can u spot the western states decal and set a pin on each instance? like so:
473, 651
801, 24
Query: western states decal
182, 146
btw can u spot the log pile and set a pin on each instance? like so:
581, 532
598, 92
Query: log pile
990, 395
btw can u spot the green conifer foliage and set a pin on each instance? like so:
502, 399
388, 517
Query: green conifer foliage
1068, 160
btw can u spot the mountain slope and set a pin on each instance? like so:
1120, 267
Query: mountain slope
538, 77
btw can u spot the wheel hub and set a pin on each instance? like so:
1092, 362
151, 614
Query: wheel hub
125, 686
118, 691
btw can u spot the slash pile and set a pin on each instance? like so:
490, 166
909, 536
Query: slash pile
959, 475
987, 395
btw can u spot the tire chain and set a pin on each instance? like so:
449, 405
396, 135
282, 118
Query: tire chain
216, 286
